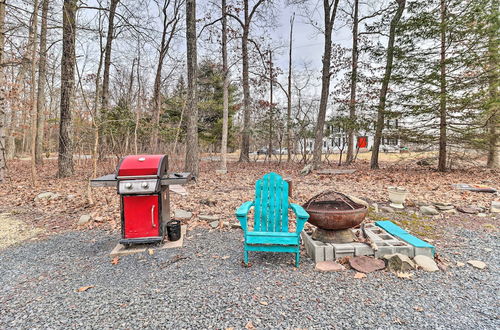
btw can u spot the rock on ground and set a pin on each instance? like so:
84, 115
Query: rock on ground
84, 219
399, 262
329, 266
426, 263
207, 217
428, 210
386, 209
366, 264
47, 196
182, 215
477, 264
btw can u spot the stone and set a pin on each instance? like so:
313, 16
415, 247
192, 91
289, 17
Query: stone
460, 264
477, 264
71, 197
482, 215
84, 219
182, 215
375, 207
399, 262
207, 217
488, 249
47, 196
358, 201
444, 206
214, 224
495, 207
426, 263
452, 211
306, 170
469, 209
208, 202
329, 266
428, 210
366, 264
386, 209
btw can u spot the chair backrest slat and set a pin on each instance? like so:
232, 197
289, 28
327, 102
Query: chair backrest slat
271, 204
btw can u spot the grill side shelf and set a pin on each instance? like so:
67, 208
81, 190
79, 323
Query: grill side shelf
109, 180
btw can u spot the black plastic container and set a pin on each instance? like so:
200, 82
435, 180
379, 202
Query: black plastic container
174, 230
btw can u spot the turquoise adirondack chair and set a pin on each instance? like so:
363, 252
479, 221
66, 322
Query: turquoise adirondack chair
270, 231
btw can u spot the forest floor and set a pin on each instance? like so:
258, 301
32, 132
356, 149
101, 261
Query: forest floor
219, 194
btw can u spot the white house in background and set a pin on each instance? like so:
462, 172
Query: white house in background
337, 140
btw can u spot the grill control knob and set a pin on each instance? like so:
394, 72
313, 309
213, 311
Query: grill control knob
145, 185
128, 185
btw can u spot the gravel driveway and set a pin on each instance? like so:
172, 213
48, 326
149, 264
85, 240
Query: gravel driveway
203, 285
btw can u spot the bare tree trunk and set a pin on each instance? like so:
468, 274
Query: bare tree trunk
3, 104
34, 113
289, 95
225, 91
385, 84
442, 91
107, 54
354, 78
270, 146
329, 20
191, 163
42, 71
493, 77
65, 159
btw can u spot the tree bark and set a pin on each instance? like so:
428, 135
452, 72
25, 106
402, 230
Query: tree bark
385, 84
34, 113
65, 158
191, 162
107, 54
42, 71
289, 95
271, 123
493, 83
225, 91
354, 79
3, 104
329, 21
442, 90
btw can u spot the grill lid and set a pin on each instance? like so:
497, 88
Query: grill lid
142, 165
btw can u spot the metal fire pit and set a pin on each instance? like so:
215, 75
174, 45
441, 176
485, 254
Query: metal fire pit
333, 214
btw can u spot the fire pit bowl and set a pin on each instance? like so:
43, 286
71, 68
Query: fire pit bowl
333, 214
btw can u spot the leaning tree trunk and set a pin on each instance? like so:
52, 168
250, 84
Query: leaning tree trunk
329, 20
442, 91
225, 91
3, 104
191, 163
354, 79
65, 159
40, 98
107, 54
385, 84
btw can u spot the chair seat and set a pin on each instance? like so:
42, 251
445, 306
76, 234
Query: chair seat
265, 237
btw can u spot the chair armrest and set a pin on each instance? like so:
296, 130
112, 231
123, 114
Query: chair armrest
299, 211
243, 210
301, 214
242, 213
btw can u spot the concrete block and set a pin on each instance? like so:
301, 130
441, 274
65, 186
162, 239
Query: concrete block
362, 249
343, 250
315, 249
329, 252
424, 251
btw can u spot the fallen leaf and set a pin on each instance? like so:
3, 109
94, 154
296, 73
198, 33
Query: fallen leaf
265, 303
151, 252
249, 325
418, 308
359, 275
225, 257
404, 275
115, 261
460, 264
84, 288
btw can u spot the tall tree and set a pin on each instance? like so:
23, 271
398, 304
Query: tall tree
65, 159
329, 12
225, 91
107, 53
354, 79
169, 28
493, 104
3, 103
42, 71
248, 14
385, 84
289, 94
33, 104
442, 87
192, 158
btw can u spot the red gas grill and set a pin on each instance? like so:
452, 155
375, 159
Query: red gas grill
142, 182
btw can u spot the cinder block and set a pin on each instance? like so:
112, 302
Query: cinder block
343, 250
424, 251
362, 249
315, 249
329, 252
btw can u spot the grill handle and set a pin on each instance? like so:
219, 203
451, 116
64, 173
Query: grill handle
153, 216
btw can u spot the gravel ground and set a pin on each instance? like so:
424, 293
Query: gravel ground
203, 285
